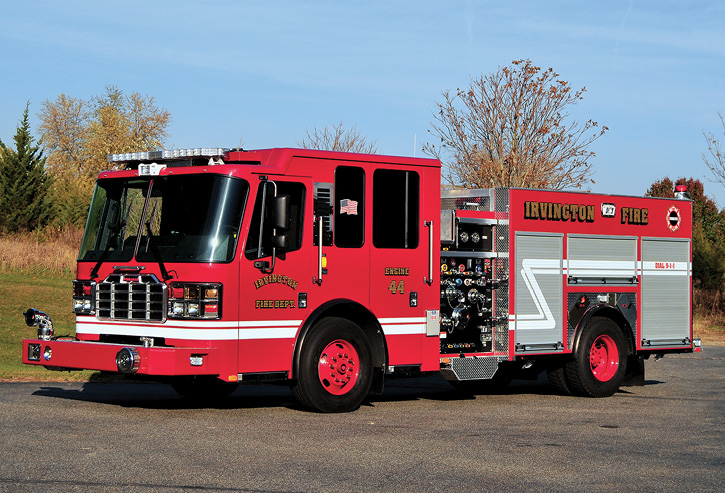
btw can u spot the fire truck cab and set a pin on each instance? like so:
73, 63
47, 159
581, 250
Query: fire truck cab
330, 271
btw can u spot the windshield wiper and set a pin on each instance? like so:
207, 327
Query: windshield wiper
117, 232
150, 243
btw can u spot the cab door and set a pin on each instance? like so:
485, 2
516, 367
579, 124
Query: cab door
341, 214
275, 273
401, 286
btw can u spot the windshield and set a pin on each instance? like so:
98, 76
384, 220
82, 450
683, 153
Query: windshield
190, 218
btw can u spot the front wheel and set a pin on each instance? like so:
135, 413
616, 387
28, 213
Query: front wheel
335, 367
600, 359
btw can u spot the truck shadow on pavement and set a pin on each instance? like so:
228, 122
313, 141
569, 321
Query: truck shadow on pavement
162, 396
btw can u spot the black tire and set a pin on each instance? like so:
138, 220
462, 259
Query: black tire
334, 386
557, 378
589, 375
202, 388
496, 385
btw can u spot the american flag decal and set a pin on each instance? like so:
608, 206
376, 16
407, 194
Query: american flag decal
349, 207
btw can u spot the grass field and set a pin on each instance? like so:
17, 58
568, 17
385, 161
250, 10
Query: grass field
18, 292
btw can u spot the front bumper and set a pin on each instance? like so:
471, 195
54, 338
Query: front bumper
84, 355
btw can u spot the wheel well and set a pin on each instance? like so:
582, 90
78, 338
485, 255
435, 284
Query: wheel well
355, 313
615, 316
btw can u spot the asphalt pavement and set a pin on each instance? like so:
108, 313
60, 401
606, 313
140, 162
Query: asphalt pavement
420, 435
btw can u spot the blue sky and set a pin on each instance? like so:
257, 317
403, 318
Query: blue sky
261, 72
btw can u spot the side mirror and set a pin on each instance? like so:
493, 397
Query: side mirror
281, 212
281, 242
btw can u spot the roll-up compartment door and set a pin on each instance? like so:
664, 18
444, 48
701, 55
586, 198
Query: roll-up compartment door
539, 291
665, 306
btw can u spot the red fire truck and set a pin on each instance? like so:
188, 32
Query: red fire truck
331, 271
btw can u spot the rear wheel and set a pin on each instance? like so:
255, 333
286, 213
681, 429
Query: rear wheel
335, 367
557, 378
600, 359
202, 388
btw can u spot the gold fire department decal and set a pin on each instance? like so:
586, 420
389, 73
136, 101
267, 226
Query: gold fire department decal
397, 271
275, 279
553, 211
274, 304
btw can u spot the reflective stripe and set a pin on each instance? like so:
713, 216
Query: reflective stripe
666, 268
268, 333
601, 268
403, 325
224, 330
158, 331
201, 330
268, 329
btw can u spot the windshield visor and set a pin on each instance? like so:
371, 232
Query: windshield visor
191, 218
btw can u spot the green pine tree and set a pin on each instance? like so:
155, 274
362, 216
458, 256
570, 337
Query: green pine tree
25, 198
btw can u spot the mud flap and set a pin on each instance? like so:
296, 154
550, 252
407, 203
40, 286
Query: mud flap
635, 372
378, 384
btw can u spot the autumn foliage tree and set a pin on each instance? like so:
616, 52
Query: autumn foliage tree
337, 138
511, 128
708, 235
79, 134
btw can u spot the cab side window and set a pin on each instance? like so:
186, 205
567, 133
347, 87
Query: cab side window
349, 217
396, 200
262, 224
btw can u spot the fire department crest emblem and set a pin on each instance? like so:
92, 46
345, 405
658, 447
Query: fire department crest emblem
673, 218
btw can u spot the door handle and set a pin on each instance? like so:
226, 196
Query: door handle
318, 280
429, 280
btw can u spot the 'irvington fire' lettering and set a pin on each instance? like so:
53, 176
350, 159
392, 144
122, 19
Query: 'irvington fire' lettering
553, 211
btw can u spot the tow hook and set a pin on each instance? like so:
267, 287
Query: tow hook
36, 318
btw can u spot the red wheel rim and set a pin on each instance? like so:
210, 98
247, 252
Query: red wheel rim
604, 358
338, 367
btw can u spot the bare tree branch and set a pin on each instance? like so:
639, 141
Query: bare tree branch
716, 161
511, 128
337, 138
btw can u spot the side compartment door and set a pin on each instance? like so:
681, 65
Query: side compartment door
666, 279
539, 292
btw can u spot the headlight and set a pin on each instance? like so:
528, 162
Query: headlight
84, 293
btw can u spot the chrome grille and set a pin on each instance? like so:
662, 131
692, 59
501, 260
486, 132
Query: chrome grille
131, 297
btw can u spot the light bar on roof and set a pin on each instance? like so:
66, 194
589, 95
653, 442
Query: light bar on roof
167, 154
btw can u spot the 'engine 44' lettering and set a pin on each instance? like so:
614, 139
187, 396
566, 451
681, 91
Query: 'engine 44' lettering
399, 288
